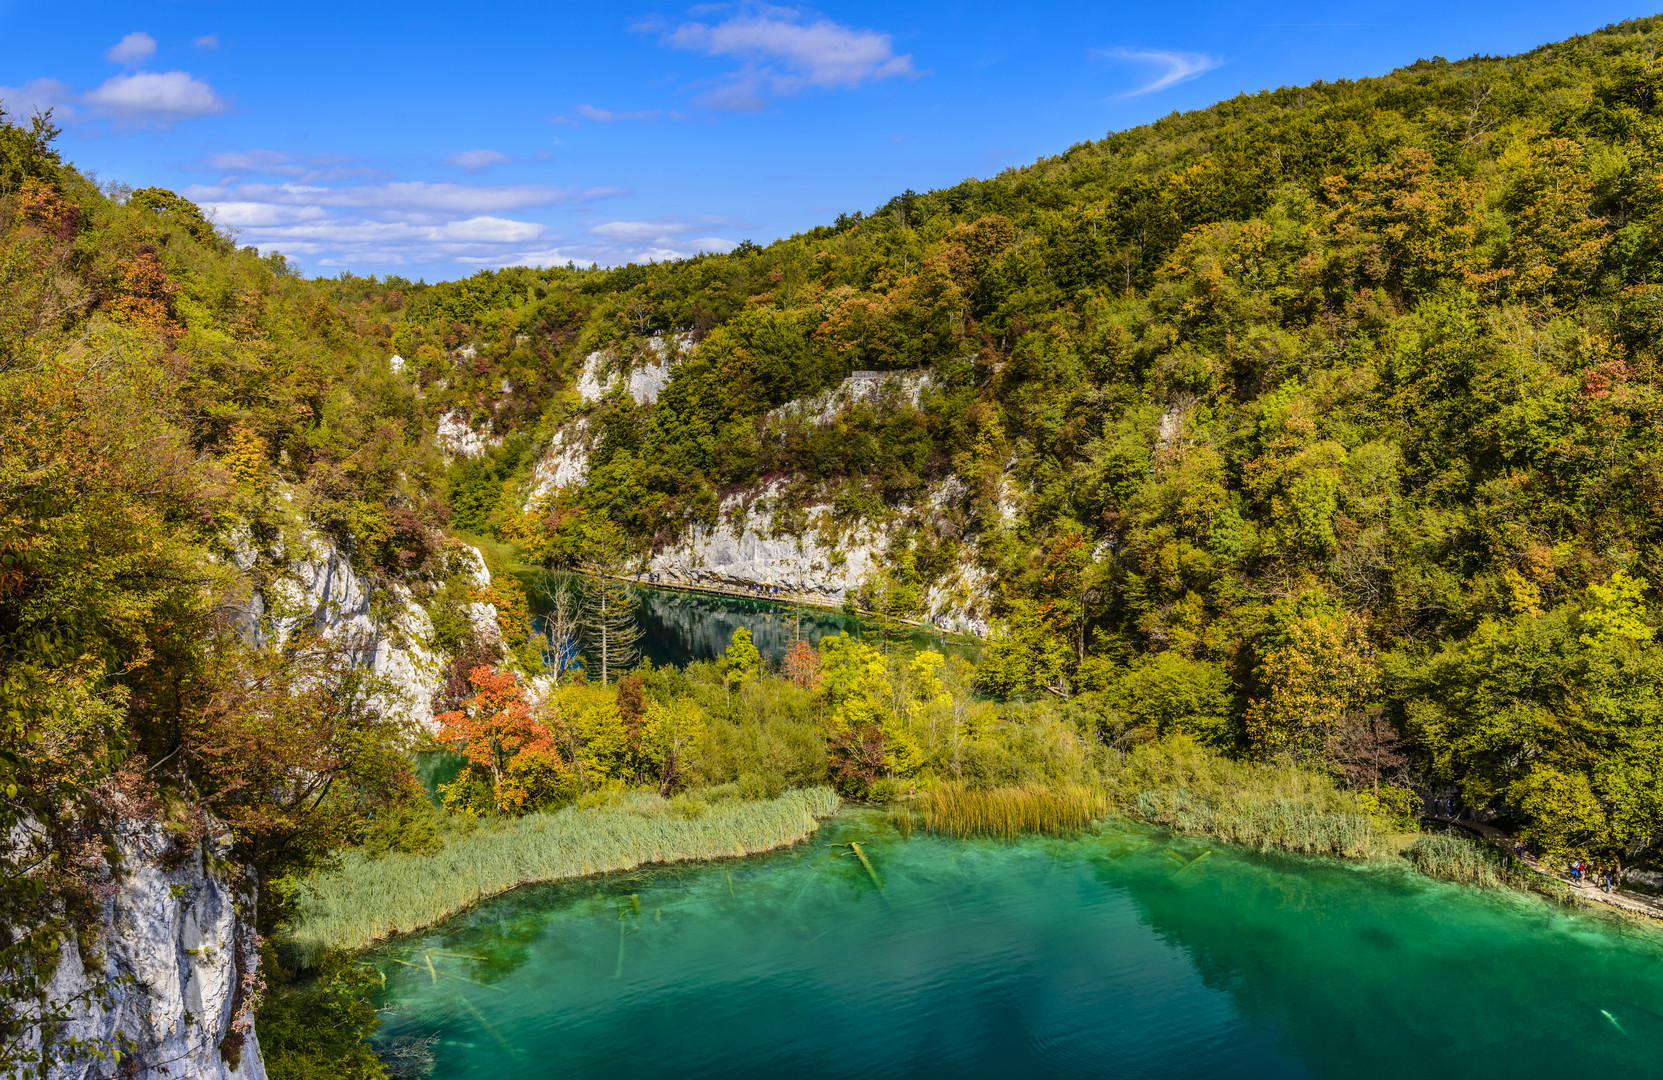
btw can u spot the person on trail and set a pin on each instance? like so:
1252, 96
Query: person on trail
1608, 876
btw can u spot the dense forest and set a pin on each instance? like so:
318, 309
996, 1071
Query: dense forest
1319, 427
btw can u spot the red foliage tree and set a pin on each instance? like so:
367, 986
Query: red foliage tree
494, 726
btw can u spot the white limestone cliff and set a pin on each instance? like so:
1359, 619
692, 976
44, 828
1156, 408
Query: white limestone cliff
177, 944
317, 586
823, 561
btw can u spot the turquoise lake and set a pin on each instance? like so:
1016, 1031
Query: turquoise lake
1121, 953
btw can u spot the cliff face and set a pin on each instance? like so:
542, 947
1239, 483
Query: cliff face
176, 937
177, 940
827, 560
317, 587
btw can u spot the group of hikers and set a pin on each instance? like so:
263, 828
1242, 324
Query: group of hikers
1582, 875
1601, 877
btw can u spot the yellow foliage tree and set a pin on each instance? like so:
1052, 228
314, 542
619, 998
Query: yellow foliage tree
1323, 670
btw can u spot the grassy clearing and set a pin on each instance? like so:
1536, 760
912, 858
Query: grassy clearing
368, 899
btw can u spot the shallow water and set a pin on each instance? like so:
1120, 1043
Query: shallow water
1115, 954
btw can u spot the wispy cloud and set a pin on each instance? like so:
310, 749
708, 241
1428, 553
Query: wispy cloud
132, 50
405, 200
783, 51
608, 116
311, 169
39, 95
475, 161
210, 42
1172, 67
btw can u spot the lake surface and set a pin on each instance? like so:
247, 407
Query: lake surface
680, 626
1116, 954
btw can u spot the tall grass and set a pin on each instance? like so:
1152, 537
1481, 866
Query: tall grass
368, 899
1466, 861
1187, 788
1008, 812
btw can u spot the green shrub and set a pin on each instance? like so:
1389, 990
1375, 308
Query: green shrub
320, 1029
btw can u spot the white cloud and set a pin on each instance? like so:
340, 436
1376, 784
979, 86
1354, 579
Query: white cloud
132, 50
38, 95
473, 161
206, 41
1175, 67
640, 230
785, 50
409, 223
417, 224
156, 99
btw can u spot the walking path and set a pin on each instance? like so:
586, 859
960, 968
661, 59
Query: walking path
1632, 902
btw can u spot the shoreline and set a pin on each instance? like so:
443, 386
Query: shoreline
366, 901
1627, 902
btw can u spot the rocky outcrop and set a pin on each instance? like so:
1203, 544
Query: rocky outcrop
873, 387
177, 946
457, 438
318, 587
605, 373
565, 463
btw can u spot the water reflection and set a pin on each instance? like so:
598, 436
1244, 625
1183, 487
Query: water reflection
679, 627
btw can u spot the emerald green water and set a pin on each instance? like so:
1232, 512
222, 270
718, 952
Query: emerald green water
1114, 954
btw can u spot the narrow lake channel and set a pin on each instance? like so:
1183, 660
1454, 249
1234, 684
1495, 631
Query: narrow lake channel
1122, 953
681, 626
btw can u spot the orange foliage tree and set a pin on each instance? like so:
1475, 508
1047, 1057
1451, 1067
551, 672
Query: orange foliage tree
495, 731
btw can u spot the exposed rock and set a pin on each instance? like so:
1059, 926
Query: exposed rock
565, 463
602, 372
862, 386
396, 362
184, 955
458, 438
806, 564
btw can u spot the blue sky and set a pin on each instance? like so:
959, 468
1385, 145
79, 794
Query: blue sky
434, 139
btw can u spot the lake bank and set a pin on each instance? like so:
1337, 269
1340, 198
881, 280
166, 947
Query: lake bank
368, 899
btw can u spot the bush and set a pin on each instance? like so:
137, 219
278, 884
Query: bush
320, 1029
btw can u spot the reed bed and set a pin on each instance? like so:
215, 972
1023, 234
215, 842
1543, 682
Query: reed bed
1465, 861
369, 899
1006, 812
1264, 805
1264, 822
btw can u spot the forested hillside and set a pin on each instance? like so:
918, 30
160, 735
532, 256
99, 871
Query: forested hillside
1317, 402
1320, 426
